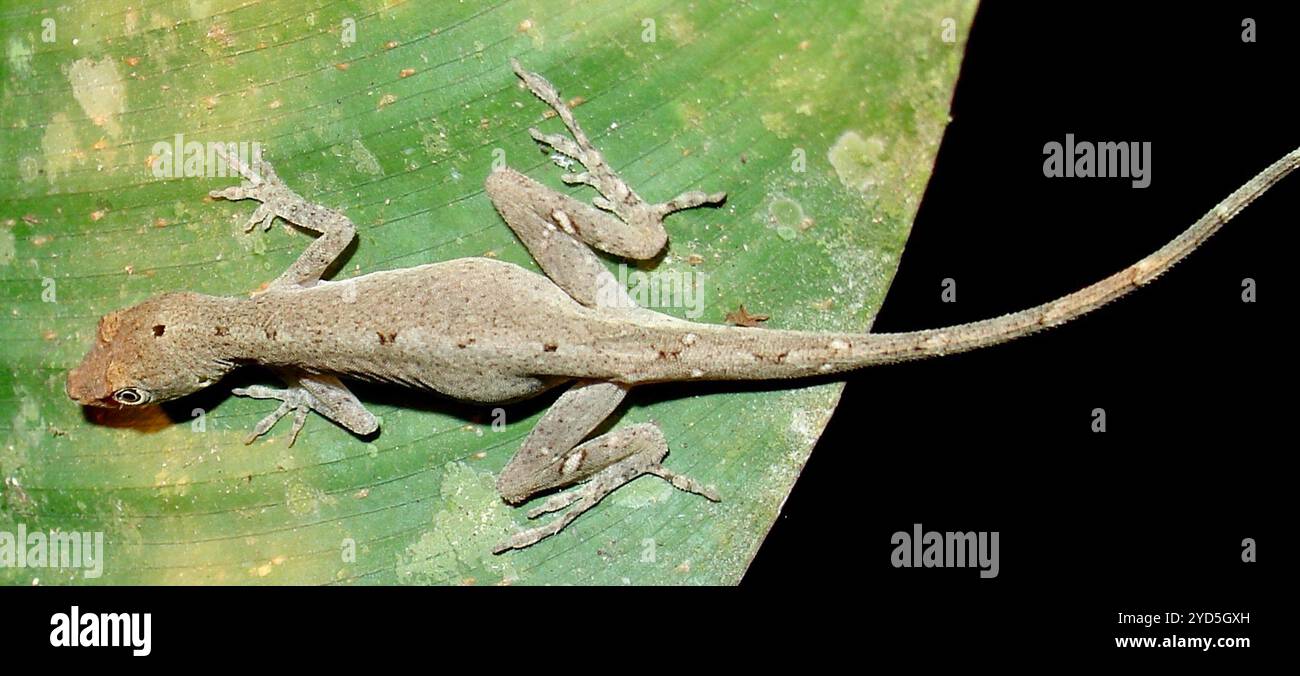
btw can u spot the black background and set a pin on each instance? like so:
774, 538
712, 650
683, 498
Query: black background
1147, 517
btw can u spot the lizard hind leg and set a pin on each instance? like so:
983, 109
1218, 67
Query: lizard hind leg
551, 458
621, 456
616, 196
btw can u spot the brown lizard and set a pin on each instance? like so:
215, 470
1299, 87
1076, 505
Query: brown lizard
482, 330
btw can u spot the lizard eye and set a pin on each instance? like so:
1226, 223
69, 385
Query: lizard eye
129, 396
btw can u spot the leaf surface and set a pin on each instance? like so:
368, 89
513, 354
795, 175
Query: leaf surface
821, 120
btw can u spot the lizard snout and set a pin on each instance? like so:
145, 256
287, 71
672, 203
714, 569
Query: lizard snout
80, 389
72, 387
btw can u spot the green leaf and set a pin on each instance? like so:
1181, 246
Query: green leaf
821, 120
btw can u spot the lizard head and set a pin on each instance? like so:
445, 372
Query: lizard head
142, 356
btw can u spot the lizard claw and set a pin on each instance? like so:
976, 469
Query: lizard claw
260, 183
258, 173
689, 200
264, 215
561, 145
234, 192
294, 399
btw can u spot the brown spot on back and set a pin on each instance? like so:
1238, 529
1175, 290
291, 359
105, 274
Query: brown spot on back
386, 338
158, 330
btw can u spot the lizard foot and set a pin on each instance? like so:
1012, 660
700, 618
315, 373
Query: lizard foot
616, 195
295, 399
644, 460
260, 183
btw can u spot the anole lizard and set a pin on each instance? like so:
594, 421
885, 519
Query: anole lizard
482, 330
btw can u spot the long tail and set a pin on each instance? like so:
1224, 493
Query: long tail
730, 353
894, 347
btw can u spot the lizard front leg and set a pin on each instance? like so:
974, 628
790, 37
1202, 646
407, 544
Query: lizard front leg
261, 183
310, 392
305, 392
551, 457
